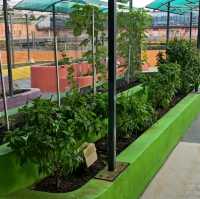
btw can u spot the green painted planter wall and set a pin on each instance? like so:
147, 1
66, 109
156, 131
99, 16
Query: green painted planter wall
145, 156
14, 177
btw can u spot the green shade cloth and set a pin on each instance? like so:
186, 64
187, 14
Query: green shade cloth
176, 6
61, 6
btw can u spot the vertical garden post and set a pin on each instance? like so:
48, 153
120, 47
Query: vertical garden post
191, 16
27, 38
12, 40
198, 37
55, 44
168, 21
112, 84
8, 45
93, 53
129, 47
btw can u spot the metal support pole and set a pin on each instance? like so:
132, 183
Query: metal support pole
130, 4
56, 55
12, 41
129, 47
93, 53
168, 21
198, 37
112, 21
4, 96
8, 49
27, 39
191, 16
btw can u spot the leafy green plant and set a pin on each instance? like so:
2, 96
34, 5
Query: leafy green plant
86, 114
187, 56
160, 58
131, 28
163, 86
81, 22
194, 72
134, 115
46, 140
65, 60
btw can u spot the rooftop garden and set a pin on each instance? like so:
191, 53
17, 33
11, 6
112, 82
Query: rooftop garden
63, 148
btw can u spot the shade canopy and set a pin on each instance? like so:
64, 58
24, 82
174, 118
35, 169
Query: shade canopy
176, 6
61, 6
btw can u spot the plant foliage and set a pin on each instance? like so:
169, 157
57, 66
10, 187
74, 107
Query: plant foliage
81, 22
163, 86
187, 56
131, 28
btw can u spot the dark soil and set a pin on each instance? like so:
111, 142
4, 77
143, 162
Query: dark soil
177, 98
83, 174
121, 85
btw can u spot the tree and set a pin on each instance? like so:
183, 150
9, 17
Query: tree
81, 22
132, 26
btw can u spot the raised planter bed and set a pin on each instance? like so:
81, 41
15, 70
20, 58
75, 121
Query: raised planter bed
21, 98
145, 156
44, 78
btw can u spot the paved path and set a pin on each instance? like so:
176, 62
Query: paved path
179, 178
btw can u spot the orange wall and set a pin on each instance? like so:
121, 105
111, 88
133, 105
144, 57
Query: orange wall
42, 55
38, 55
150, 57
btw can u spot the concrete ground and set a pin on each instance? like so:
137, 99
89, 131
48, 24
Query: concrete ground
179, 178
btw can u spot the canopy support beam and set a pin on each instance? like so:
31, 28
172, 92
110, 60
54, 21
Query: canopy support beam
112, 21
129, 47
191, 16
168, 22
198, 37
8, 49
55, 44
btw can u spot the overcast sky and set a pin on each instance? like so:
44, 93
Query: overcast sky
136, 3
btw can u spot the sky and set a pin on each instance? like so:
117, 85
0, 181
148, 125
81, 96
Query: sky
141, 3
136, 3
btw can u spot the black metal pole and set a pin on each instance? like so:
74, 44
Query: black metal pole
8, 45
56, 55
112, 21
27, 38
191, 16
129, 47
198, 37
168, 21
130, 4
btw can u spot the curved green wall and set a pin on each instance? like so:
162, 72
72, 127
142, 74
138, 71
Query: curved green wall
14, 177
145, 156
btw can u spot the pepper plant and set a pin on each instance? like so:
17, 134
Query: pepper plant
46, 140
188, 56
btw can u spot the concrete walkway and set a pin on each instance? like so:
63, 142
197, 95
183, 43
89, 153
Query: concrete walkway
179, 178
